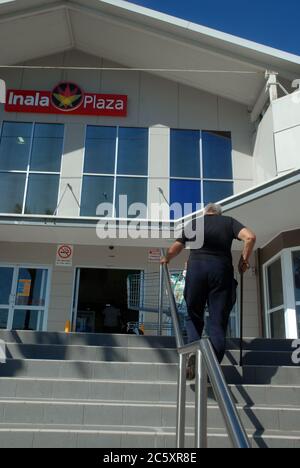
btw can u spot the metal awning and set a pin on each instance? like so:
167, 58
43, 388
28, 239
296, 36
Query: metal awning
268, 209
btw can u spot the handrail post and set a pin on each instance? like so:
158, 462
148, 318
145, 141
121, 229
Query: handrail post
161, 300
181, 402
228, 409
201, 402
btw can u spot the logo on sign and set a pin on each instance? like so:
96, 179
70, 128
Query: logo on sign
67, 97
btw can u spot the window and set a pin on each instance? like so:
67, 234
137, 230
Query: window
200, 167
282, 295
116, 163
275, 286
30, 164
275, 300
296, 273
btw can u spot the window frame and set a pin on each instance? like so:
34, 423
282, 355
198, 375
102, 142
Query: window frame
29, 172
115, 175
289, 297
200, 179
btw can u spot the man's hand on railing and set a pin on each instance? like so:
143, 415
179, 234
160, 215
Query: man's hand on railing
243, 265
164, 260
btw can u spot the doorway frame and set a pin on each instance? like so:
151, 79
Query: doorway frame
289, 299
76, 285
12, 307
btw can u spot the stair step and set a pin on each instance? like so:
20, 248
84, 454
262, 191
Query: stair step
136, 354
128, 413
122, 390
37, 436
119, 340
91, 353
147, 371
86, 339
260, 358
261, 344
89, 370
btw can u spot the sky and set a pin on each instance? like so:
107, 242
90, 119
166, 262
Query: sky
269, 22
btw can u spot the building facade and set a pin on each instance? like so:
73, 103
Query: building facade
121, 119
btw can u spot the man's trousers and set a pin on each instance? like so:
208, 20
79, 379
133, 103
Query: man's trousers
210, 282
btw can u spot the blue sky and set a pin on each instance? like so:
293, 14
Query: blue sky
268, 22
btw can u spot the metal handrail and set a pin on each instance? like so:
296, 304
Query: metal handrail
207, 365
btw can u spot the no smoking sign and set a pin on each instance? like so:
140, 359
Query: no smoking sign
64, 255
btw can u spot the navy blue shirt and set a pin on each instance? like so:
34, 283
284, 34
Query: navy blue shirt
219, 233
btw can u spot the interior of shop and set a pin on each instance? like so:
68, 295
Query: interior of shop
101, 301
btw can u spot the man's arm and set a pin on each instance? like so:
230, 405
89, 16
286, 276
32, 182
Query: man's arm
173, 252
249, 239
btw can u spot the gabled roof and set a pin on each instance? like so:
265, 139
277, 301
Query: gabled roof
137, 37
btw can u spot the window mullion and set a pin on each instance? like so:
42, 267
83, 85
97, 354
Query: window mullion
114, 214
28, 169
201, 169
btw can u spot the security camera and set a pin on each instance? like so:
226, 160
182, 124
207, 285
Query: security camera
111, 247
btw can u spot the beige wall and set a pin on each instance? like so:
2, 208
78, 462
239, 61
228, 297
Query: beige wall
154, 102
62, 283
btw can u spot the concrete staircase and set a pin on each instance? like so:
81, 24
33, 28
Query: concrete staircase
113, 391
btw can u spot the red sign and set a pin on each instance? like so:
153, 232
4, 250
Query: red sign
64, 255
66, 98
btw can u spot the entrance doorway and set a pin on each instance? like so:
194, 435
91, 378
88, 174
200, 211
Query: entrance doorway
101, 301
24, 293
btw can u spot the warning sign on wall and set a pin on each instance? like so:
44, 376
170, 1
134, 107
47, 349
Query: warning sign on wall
154, 256
64, 255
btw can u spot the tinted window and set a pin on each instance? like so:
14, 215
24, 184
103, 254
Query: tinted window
47, 148
15, 146
185, 153
11, 192
296, 263
3, 318
42, 195
133, 151
6, 278
217, 158
136, 191
100, 150
217, 191
185, 192
275, 286
277, 323
37, 281
96, 190
25, 320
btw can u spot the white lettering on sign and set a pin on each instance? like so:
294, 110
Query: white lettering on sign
103, 104
28, 101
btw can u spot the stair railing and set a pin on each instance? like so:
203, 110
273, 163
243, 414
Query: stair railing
207, 366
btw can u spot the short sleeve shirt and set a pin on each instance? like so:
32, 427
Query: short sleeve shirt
219, 234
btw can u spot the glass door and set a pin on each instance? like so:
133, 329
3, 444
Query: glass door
275, 306
296, 272
282, 295
23, 298
7, 278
